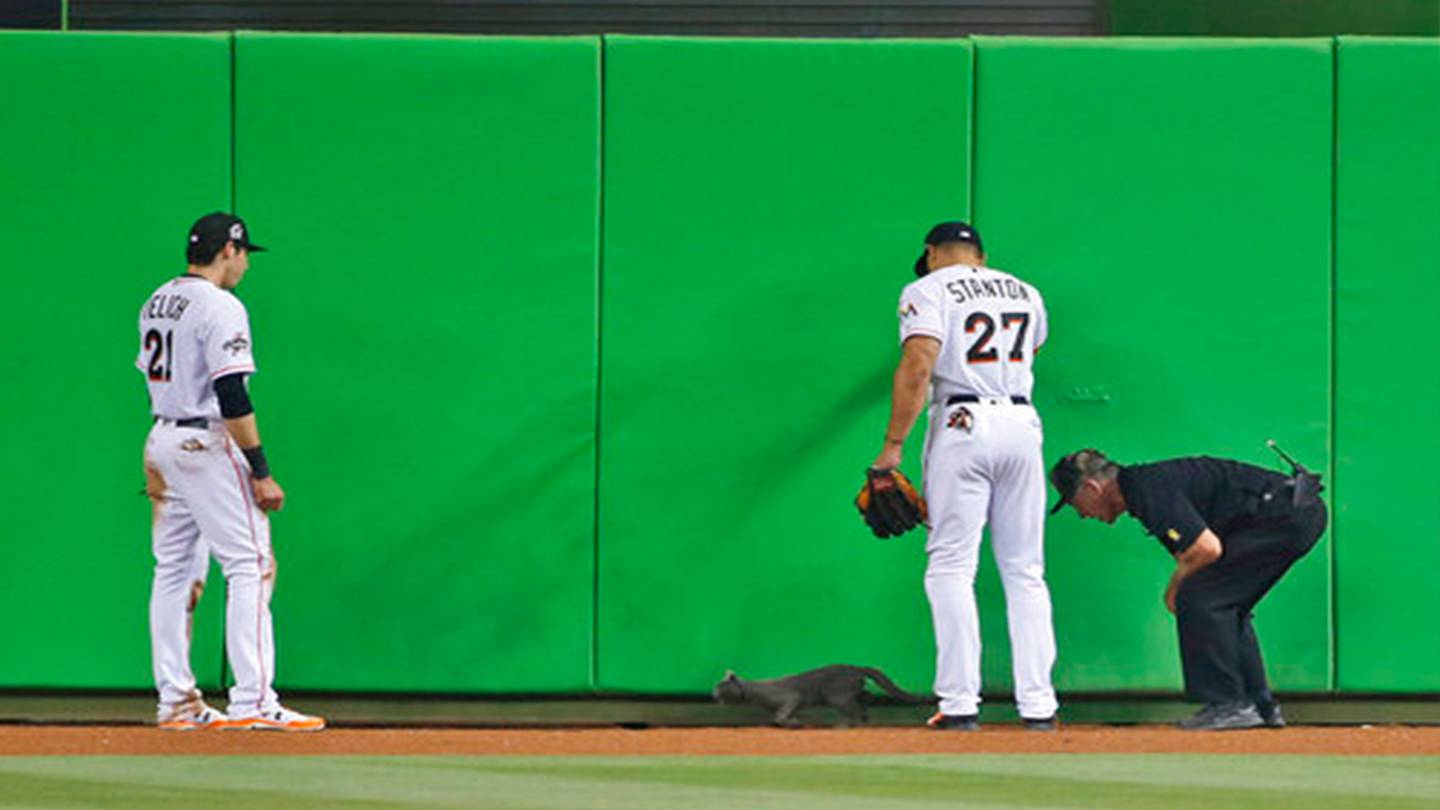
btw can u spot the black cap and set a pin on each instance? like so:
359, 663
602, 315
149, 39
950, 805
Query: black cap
212, 231
1070, 470
955, 231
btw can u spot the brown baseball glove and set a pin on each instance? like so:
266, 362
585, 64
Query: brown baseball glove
889, 503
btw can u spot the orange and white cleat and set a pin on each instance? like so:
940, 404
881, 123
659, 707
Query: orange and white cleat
954, 722
192, 715
276, 719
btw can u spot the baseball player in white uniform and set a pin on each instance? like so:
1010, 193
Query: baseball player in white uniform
207, 476
969, 335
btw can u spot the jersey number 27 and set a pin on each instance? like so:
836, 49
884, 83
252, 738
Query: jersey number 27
162, 354
981, 351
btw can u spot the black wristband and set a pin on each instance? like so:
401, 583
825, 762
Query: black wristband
259, 468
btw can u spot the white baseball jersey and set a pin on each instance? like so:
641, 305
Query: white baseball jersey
191, 332
984, 467
989, 324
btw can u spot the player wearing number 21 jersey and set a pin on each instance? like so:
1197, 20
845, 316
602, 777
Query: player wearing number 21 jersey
213, 341
215, 490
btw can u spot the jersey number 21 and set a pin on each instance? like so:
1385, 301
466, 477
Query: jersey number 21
162, 354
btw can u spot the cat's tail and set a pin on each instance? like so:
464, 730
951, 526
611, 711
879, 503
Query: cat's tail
891, 689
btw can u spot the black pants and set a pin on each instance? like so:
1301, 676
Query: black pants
1218, 648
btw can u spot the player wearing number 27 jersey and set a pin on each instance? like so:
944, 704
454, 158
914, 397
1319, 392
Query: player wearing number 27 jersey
989, 324
969, 334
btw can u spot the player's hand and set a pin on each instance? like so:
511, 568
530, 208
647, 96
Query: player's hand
889, 503
1170, 593
268, 494
889, 458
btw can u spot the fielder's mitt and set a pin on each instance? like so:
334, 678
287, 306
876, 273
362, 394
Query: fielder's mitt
889, 503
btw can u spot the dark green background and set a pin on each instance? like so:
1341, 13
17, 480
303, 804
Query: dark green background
1283, 18
571, 350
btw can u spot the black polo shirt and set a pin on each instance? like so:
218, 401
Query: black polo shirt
1176, 500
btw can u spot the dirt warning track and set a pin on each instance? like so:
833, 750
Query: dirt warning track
23, 740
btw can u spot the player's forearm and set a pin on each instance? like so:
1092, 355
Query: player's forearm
246, 433
907, 399
244, 430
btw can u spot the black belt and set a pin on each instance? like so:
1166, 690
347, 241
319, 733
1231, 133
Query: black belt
958, 398
196, 422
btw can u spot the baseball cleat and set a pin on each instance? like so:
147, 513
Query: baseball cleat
190, 716
276, 719
954, 722
1039, 723
1223, 717
1270, 713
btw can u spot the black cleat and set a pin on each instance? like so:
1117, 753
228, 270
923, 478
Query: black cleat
1270, 713
1039, 723
1223, 717
954, 722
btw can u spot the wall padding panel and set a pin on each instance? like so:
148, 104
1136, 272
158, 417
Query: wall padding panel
1388, 353
425, 327
764, 203
1171, 199
112, 146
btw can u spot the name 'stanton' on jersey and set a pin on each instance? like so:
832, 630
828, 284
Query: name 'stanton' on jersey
964, 289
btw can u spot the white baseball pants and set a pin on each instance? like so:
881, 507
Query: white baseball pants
988, 469
208, 494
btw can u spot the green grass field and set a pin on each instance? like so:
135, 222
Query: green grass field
679, 783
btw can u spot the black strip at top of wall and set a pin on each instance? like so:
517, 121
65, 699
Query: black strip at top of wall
798, 18
30, 14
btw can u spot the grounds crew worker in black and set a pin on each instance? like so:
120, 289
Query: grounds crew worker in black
1234, 530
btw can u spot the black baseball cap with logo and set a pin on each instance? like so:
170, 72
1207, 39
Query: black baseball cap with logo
210, 233
955, 231
1068, 472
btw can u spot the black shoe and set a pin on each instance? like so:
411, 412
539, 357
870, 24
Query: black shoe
1039, 723
954, 722
1270, 713
1223, 717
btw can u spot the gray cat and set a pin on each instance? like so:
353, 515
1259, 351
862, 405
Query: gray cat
838, 685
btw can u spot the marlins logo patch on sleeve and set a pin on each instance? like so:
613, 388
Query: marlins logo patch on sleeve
237, 344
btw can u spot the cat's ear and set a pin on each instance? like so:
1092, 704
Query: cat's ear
730, 675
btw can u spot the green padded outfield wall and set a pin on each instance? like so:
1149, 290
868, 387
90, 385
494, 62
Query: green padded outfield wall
425, 329
1171, 198
1387, 576
112, 145
764, 203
